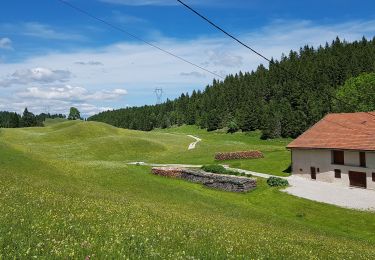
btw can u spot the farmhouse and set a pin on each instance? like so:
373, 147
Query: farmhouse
340, 149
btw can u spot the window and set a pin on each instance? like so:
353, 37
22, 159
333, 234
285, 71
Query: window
373, 176
338, 157
337, 174
362, 159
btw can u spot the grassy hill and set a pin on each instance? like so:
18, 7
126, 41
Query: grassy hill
65, 192
276, 158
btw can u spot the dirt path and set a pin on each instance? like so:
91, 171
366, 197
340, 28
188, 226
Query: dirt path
192, 145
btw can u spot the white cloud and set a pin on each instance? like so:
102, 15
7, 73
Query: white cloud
58, 99
127, 19
66, 92
106, 94
219, 58
70, 93
193, 74
6, 44
90, 110
52, 106
35, 75
39, 30
89, 63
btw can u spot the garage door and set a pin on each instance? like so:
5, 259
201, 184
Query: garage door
358, 179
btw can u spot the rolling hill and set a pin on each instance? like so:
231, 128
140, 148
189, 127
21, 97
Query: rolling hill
67, 192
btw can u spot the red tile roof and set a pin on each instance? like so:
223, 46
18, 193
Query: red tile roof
349, 131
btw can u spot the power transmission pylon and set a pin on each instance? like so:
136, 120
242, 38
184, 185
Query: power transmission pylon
47, 109
159, 95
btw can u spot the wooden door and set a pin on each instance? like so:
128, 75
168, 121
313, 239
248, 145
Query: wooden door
358, 179
313, 173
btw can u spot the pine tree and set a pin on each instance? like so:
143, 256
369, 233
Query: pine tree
28, 119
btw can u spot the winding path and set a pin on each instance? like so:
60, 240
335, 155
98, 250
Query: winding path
192, 145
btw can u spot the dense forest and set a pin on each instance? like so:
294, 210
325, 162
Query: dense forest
27, 119
283, 99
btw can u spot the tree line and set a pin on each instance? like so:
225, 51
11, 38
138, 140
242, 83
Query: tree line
274, 99
27, 119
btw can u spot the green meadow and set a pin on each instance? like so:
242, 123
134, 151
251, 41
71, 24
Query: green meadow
67, 192
276, 159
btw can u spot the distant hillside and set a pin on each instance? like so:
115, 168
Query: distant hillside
271, 99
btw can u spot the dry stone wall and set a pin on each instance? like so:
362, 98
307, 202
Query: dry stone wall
212, 180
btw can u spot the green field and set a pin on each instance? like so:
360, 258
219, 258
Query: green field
66, 192
276, 157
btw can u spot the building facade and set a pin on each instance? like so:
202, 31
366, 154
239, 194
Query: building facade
320, 164
338, 149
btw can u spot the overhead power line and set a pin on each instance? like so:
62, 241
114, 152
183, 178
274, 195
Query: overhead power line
261, 55
223, 31
78, 9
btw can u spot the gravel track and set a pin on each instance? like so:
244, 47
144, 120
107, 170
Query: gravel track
192, 145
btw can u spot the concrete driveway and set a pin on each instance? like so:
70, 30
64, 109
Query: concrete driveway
354, 198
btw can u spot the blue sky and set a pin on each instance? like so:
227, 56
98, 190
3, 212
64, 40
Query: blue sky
52, 57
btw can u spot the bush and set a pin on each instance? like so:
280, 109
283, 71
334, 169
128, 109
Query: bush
277, 182
214, 168
232, 127
246, 174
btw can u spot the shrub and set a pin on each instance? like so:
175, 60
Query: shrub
246, 174
214, 168
233, 173
232, 127
300, 215
277, 182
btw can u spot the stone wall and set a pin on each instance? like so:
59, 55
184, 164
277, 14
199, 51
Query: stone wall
238, 155
212, 180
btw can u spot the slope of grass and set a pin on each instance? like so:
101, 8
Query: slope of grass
50, 121
68, 196
276, 157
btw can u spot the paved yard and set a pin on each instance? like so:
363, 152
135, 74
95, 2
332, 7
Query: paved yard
330, 193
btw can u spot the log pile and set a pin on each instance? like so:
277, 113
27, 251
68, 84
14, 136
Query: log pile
238, 155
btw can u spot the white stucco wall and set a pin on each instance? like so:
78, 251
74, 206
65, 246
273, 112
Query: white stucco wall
370, 160
321, 159
351, 158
